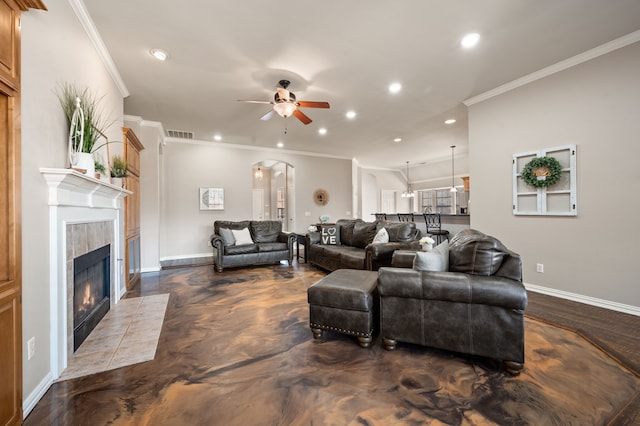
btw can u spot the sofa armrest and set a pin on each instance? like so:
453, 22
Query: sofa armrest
381, 254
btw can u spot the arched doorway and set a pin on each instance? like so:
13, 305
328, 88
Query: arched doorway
273, 192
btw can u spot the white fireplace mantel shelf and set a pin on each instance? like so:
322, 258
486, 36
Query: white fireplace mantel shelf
68, 187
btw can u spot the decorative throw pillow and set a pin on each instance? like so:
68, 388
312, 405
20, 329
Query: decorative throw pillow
227, 237
242, 236
382, 236
436, 260
330, 234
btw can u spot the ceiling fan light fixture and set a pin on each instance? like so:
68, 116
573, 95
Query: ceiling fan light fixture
284, 109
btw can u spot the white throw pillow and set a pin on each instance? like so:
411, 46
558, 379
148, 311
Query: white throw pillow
382, 236
242, 236
436, 260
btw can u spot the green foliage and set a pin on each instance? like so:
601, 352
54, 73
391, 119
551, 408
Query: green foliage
118, 166
547, 166
100, 167
95, 121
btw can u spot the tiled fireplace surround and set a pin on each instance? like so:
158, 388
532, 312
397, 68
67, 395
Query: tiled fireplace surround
84, 214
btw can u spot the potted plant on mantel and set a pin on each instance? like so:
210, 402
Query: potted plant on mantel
87, 124
118, 170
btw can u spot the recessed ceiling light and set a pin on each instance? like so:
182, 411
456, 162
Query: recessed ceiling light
395, 87
159, 54
322, 131
450, 121
397, 140
280, 145
351, 115
470, 40
217, 137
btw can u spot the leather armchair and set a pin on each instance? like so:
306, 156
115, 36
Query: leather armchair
477, 307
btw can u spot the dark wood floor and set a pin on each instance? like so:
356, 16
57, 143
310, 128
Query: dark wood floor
235, 348
615, 332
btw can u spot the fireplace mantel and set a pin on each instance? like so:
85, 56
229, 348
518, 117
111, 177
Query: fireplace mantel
83, 212
68, 187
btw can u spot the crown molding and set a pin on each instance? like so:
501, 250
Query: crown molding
601, 50
86, 21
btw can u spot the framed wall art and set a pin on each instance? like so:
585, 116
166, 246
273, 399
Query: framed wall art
544, 182
211, 198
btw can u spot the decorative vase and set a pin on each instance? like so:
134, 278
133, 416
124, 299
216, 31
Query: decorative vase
427, 247
84, 161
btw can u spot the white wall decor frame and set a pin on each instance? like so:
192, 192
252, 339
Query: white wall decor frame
211, 199
555, 200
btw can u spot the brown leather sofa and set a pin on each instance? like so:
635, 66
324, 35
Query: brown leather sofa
476, 307
268, 244
356, 250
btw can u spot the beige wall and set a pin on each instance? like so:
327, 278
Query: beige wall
184, 167
55, 48
596, 106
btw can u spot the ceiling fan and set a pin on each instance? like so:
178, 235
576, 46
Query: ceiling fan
285, 104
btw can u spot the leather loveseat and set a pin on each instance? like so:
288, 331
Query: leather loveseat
250, 242
475, 307
356, 250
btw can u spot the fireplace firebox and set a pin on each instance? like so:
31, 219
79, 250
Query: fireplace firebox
91, 291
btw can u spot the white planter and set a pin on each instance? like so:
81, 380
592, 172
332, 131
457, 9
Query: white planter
119, 182
427, 247
84, 161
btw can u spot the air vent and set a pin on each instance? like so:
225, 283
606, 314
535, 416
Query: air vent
182, 134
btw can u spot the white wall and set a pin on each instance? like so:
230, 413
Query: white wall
55, 49
594, 105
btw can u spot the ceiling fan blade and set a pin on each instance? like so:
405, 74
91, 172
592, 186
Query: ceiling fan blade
255, 102
312, 104
267, 115
301, 116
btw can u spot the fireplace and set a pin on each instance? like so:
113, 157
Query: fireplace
91, 291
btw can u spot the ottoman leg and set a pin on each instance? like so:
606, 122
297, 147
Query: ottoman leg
389, 344
364, 341
317, 332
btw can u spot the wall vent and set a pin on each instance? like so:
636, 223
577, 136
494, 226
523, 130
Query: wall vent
182, 134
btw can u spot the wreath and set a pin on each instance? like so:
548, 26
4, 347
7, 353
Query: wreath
542, 172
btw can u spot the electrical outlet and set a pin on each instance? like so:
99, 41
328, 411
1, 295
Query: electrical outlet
539, 268
31, 348
209, 243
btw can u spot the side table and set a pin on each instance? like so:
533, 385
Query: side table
301, 238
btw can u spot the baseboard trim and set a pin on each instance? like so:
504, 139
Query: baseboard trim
32, 399
601, 303
186, 256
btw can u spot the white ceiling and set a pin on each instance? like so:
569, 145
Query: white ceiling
346, 53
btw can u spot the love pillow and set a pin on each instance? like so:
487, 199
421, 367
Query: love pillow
330, 234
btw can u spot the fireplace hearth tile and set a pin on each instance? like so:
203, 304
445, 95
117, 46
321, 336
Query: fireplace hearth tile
127, 335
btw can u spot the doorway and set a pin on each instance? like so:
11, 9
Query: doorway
273, 192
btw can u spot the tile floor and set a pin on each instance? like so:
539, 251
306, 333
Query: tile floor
127, 335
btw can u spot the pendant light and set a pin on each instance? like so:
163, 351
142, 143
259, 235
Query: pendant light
408, 193
259, 175
453, 188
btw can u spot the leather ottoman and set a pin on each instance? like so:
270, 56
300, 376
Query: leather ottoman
345, 301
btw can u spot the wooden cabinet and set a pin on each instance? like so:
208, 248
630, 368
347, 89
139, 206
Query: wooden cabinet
132, 148
10, 213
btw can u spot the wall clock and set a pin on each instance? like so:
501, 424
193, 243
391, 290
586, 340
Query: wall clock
321, 197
